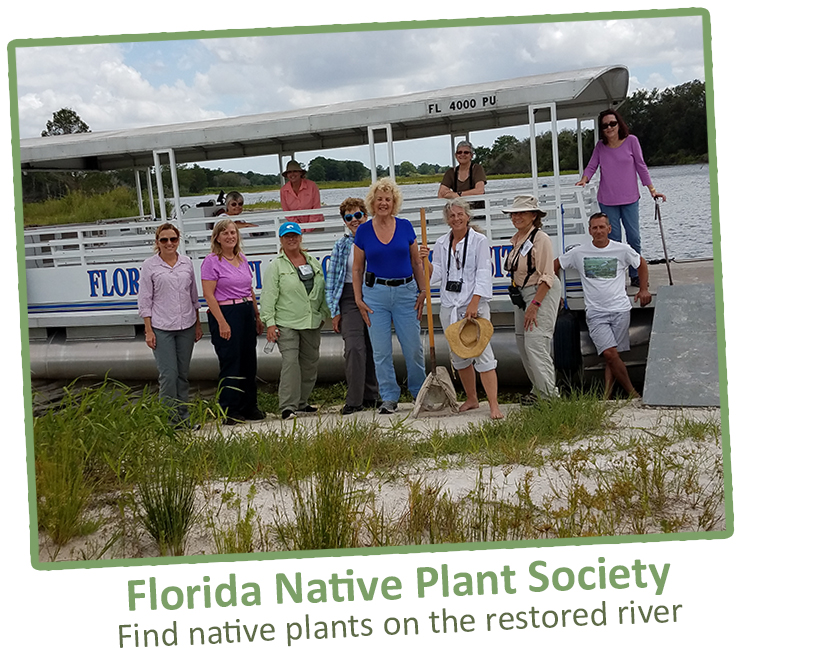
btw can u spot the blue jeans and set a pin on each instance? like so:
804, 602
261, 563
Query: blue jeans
630, 216
395, 304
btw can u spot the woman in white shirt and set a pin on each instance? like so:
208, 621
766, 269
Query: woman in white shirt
462, 264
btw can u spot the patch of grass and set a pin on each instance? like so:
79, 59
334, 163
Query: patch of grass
326, 506
167, 504
77, 207
237, 535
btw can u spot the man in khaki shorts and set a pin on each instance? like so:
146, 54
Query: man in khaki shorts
603, 264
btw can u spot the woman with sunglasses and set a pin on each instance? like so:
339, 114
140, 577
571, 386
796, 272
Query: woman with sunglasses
234, 322
620, 158
360, 372
234, 205
466, 179
169, 305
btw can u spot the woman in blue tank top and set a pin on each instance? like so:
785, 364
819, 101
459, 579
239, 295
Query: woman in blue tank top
389, 290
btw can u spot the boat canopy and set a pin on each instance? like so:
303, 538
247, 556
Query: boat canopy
458, 110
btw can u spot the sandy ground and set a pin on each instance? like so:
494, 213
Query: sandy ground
391, 491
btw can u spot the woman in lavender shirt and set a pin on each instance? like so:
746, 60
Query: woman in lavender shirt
169, 304
234, 322
619, 155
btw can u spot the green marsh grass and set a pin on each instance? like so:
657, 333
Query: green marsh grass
581, 475
166, 500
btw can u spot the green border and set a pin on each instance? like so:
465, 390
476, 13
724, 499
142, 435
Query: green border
365, 27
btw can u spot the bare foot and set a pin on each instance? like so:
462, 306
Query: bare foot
495, 413
469, 405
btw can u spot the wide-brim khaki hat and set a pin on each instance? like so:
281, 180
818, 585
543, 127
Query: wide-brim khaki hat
524, 203
469, 337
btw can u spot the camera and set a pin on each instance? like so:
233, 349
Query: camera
369, 278
516, 297
453, 286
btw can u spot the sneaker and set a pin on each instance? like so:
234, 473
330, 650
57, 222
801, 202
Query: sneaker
231, 421
287, 414
347, 410
530, 399
307, 408
256, 414
388, 406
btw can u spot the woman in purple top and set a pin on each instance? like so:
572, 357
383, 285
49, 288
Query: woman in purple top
619, 156
169, 305
392, 292
234, 322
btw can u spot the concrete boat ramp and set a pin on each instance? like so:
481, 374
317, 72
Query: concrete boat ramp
682, 366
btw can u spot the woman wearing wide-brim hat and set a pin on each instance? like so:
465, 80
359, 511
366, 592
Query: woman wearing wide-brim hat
299, 193
535, 291
463, 265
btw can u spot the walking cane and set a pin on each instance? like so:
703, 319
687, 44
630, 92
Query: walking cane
663, 239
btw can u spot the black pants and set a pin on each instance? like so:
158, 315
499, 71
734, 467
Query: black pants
237, 359
360, 371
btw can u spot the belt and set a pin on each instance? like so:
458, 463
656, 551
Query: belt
234, 301
394, 282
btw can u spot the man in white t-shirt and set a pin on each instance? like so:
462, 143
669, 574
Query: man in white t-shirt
603, 264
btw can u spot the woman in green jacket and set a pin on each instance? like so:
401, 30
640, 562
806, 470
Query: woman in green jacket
293, 310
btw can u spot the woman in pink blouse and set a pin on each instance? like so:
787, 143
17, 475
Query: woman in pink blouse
169, 305
299, 193
234, 322
620, 158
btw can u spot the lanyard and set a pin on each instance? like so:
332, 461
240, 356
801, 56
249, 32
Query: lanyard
464, 254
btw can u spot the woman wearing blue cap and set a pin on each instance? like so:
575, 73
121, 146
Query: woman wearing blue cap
293, 310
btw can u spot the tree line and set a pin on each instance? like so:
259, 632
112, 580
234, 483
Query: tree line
671, 125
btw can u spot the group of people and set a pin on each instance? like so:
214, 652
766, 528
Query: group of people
376, 282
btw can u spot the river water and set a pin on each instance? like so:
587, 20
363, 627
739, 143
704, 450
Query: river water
686, 215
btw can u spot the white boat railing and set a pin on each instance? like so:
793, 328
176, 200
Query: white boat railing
82, 270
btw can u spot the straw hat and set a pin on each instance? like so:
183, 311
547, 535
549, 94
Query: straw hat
469, 337
524, 203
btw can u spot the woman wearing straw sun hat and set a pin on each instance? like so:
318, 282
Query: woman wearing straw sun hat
293, 310
462, 264
535, 291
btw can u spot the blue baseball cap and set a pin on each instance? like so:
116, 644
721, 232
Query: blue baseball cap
289, 227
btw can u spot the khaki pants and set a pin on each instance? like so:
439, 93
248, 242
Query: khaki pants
535, 346
300, 366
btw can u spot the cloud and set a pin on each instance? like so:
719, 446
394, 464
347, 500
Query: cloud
115, 86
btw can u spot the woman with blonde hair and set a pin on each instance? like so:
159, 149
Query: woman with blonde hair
234, 322
391, 292
169, 305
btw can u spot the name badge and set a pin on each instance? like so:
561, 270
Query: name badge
306, 270
526, 247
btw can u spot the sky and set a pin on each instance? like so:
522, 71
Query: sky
137, 84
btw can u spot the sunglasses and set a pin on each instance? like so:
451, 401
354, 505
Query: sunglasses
463, 152
609, 125
356, 215
167, 240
